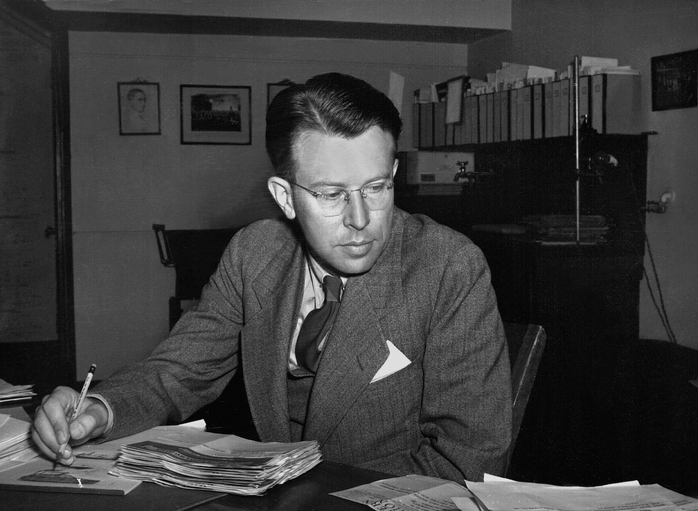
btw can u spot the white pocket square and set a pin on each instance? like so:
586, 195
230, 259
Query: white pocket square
396, 361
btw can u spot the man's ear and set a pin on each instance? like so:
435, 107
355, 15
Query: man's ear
281, 191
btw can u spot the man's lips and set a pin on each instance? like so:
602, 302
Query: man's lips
358, 247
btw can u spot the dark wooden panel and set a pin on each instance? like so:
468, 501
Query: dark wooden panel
581, 420
40, 363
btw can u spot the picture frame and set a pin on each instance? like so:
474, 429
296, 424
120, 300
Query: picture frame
674, 81
274, 88
139, 108
216, 114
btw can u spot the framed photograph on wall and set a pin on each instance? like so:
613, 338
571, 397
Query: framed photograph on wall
274, 88
139, 108
215, 114
674, 83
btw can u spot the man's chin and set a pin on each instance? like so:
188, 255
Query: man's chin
354, 268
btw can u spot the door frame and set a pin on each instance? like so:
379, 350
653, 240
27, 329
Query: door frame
50, 363
63, 209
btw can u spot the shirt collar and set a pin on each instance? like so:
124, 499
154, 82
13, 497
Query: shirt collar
317, 274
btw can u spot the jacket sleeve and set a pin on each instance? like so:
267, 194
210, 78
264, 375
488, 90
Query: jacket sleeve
191, 367
466, 406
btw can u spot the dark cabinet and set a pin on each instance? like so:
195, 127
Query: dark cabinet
517, 180
579, 423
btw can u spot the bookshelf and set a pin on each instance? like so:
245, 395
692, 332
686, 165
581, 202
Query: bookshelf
529, 108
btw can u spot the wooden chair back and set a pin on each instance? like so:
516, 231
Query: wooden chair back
526, 344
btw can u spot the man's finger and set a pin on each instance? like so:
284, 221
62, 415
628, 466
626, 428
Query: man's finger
90, 423
50, 429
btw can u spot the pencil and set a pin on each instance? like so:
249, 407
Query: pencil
76, 409
83, 392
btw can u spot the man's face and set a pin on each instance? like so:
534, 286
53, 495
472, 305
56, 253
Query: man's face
138, 102
350, 243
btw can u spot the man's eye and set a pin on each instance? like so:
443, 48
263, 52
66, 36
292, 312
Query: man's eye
374, 188
332, 196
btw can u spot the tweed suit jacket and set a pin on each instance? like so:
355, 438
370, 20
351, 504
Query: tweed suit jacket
446, 414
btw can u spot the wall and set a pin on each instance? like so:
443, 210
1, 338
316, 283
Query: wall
493, 14
121, 185
550, 33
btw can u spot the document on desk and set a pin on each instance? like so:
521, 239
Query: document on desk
506, 495
15, 440
228, 464
410, 493
83, 476
12, 393
90, 473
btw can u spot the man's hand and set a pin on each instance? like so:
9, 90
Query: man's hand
51, 431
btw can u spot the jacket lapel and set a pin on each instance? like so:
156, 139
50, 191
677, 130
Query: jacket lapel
356, 348
265, 340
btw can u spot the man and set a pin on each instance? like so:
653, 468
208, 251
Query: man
136, 121
413, 376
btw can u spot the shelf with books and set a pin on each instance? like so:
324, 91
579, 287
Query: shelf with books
609, 102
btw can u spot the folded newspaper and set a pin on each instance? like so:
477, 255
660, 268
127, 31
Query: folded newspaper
228, 464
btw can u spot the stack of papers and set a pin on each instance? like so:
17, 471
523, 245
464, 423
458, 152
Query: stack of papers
183, 456
496, 494
421, 493
10, 393
15, 438
228, 464
90, 473
409, 493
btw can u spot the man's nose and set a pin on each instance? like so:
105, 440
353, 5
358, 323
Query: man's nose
356, 213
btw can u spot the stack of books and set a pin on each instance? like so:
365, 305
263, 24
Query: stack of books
229, 464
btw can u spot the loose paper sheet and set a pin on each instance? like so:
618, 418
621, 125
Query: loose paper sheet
83, 476
9, 392
409, 493
501, 495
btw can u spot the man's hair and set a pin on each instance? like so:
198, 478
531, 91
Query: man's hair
332, 104
132, 93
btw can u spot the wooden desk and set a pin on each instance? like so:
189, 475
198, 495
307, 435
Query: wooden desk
309, 491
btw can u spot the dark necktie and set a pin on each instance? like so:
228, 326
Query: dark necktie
317, 324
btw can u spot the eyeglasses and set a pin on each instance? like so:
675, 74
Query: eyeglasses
333, 201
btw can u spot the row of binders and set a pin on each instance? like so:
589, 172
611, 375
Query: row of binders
609, 102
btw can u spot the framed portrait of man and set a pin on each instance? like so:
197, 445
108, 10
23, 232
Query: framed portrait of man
139, 108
